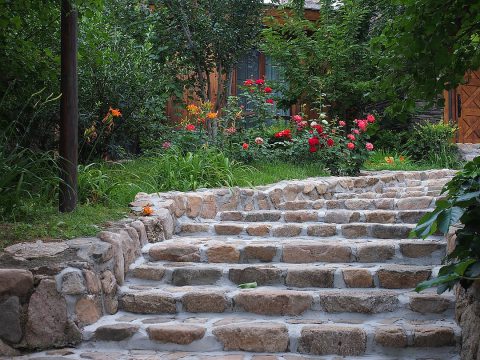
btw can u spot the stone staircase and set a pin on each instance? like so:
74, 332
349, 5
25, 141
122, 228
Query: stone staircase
333, 264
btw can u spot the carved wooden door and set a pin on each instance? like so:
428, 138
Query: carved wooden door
468, 109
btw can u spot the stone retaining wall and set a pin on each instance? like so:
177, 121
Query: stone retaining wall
49, 291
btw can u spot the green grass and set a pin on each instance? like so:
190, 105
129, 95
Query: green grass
377, 161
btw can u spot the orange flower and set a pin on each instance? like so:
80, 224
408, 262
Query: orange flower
147, 211
389, 160
212, 115
193, 109
402, 158
115, 112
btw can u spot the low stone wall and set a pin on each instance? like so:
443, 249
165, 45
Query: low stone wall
49, 291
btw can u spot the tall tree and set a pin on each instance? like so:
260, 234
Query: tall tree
427, 48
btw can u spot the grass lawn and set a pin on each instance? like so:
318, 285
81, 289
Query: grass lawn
42, 221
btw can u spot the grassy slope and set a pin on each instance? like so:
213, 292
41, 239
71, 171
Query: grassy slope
44, 222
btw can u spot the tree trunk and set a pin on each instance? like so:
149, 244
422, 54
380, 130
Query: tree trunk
68, 148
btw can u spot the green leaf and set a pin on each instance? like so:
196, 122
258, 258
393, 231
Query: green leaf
248, 285
461, 267
449, 217
437, 281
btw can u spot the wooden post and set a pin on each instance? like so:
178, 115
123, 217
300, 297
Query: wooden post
68, 148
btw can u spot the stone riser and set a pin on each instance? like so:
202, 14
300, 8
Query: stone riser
282, 302
297, 251
274, 336
292, 276
348, 231
326, 216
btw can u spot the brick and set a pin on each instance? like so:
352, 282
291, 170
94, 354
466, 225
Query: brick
433, 336
390, 231
273, 302
402, 276
322, 230
357, 204
332, 339
357, 278
316, 253
352, 231
342, 216
231, 216
195, 276
297, 205
258, 230
391, 336
228, 229
176, 334
304, 278
286, 231
115, 332
256, 337
414, 203
259, 216
425, 303
300, 216
148, 272
148, 303
263, 275
223, 254
384, 204
264, 253
375, 253
379, 216
193, 228
205, 302
359, 302
420, 249
175, 252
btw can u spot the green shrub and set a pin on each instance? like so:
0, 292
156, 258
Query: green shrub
390, 140
433, 143
462, 204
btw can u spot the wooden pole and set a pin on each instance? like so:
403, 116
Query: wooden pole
68, 148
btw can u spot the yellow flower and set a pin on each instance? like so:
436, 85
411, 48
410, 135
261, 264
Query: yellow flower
212, 115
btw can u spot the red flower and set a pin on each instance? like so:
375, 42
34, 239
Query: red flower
370, 118
318, 128
248, 82
362, 125
259, 81
351, 146
297, 118
342, 123
268, 90
245, 146
351, 137
190, 127
269, 101
284, 134
313, 141
330, 142
369, 146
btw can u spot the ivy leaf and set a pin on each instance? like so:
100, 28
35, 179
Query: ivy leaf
462, 266
426, 226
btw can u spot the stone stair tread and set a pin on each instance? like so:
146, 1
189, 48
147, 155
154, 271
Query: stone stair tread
265, 334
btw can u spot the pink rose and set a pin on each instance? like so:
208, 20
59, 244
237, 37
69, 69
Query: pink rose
351, 146
369, 146
351, 137
297, 118
258, 141
370, 118
355, 131
342, 123
362, 125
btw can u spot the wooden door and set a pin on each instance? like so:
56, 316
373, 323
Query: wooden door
467, 109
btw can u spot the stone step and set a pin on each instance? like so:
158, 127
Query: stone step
314, 229
299, 250
280, 301
253, 334
325, 216
291, 275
